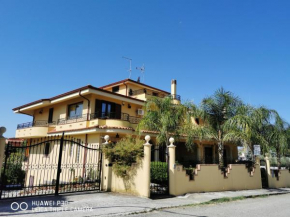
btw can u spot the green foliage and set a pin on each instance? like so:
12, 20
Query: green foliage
14, 173
164, 117
159, 172
285, 162
123, 154
92, 174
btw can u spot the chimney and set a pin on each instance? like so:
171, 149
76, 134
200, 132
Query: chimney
173, 87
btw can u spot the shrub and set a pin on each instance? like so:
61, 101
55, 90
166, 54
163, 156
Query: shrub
123, 154
159, 172
14, 174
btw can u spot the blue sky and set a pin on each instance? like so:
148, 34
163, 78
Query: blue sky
50, 47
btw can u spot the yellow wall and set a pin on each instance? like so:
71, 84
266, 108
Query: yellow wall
283, 182
209, 178
284, 177
32, 132
139, 182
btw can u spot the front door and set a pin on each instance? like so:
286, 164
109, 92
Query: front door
208, 155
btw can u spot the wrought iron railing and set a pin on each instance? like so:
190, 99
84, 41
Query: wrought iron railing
80, 118
114, 115
39, 123
73, 119
152, 93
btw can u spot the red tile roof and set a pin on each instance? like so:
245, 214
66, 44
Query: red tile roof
71, 92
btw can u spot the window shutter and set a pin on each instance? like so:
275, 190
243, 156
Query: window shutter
98, 108
118, 111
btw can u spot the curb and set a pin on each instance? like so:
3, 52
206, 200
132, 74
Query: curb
202, 203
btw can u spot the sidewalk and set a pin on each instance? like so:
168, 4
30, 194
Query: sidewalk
111, 204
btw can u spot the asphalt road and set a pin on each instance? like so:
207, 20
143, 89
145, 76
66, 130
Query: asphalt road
273, 206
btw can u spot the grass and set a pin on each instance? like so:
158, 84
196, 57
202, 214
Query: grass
211, 202
229, 199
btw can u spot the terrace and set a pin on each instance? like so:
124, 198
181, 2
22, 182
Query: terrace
153, 93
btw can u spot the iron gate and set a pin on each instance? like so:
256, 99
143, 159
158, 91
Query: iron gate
50, 165
159, 170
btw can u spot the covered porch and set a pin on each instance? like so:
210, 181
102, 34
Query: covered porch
204, 153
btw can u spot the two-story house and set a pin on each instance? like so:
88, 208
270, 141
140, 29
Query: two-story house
89, 113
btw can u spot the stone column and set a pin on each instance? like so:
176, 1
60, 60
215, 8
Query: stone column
106, 169
2, 146
146, 166
268, 166
257, 160
171, 167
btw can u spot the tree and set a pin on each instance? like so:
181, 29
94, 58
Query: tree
123, 154
14, 174
163, 117
248, 126
278, 134
218, 110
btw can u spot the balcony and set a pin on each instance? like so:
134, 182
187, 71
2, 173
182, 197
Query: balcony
70, 120
152, 93
39, 123
40, 128
113, 115
33, 129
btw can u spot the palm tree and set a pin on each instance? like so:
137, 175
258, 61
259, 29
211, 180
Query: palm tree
218, 110
248, 126
278, 135
163, 117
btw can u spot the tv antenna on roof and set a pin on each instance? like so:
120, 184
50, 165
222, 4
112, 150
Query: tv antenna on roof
130, 69
142, 69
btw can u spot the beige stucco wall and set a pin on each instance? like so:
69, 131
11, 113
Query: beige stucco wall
139, 182
283, 182
209, 178
273, 182
32, 132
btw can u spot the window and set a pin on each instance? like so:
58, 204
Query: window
50, 116
75, 110
115, 89
46, 149
155, 94
106, 109
197, 121
130, 92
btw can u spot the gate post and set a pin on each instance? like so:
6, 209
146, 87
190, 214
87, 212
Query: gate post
171, 166
146, 165
2, 146
106, 169
59, 165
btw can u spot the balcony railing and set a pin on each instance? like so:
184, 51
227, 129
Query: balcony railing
73, 119
152, 93
114, 115
80, 118
39, 123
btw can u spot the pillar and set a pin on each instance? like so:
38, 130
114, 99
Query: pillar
106, 169
146, 166
2, 146
268, 166
171, 167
